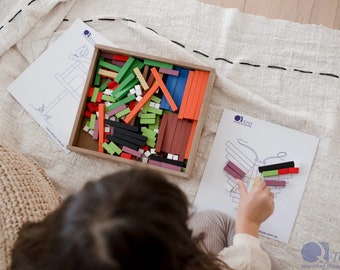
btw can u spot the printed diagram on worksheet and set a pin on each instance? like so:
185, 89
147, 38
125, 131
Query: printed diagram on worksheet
51, 87
246, 158
71, 80
244, 143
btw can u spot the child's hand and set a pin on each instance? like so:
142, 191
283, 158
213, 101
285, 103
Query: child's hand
254, 208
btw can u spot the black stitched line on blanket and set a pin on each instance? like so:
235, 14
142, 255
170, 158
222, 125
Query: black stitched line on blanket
88, 21
178, 43
277, 67
129, 20
221, 58
195, 51
329, 74
107, 19
15, 16
151, 29
31, 2
248, 64
303, 71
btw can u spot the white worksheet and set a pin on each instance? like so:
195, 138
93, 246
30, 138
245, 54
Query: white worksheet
249, 143
51, 87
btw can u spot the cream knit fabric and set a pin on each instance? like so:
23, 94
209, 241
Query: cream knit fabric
26, 194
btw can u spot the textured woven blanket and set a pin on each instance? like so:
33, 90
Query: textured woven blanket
283, 72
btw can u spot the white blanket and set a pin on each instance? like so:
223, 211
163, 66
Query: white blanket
279, 71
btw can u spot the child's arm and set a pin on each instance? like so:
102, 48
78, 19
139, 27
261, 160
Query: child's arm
254, 208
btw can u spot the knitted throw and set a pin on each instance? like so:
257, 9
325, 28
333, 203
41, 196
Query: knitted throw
26, 194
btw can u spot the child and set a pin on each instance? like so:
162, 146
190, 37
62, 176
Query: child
136, 219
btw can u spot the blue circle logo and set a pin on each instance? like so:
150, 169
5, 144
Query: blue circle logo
87, 33
238, 118
315, 252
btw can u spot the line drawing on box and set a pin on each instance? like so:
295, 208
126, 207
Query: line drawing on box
71, 80
247, 159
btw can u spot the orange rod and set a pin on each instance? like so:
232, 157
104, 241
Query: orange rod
164, 89
186, 95
205, 77
141, 103
194, 93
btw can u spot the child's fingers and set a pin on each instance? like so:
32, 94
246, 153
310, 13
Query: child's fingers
242, 188
268, 189
260, 186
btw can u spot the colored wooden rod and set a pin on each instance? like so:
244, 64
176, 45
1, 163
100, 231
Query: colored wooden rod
112, 148
94, 94
109, 66
131, 151
122, 142
194, 93
275, 183
236, 169
162, 130
232, 172
170, 85
123, 84
121, 102
156, 63
126, 155
171, 167
288, 170
147, 121
123, 112
92, 121
107, 73
191, 138
170, 132
120, 57
280, 172
172, 72
121, 125
165, 165
95, 131
179, 136
116, 110
141, 79
185, 139
101, 127
166, 160
145, 71
148, 116
129, 134
276, 166
124, 69
164, 89
180, 85
140, 104
270, 173
134, 141
186, 95
125, 90
205, 77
